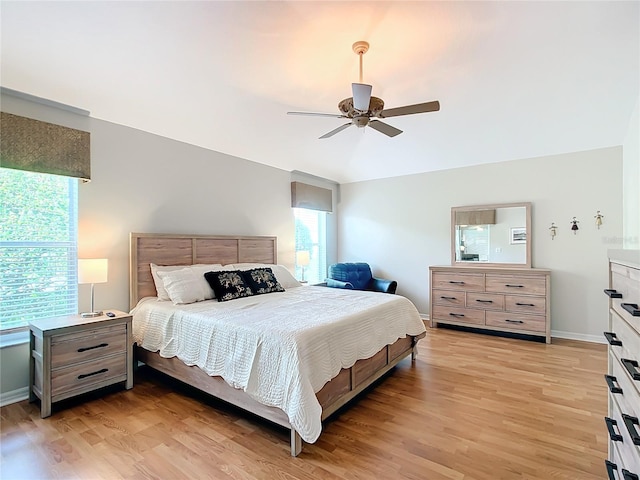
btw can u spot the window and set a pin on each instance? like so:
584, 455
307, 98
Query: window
38, 246
311, 245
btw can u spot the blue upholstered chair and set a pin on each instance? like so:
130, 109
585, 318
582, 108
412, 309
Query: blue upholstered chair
358, 276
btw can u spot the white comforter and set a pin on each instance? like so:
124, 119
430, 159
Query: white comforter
280, 348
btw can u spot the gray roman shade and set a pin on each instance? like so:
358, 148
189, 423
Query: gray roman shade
311, 197
35, 146
476, 217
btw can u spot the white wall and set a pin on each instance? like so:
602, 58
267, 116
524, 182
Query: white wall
631, 181
401, 226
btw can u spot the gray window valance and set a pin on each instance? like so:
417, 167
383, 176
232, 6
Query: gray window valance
311, 197
36, 146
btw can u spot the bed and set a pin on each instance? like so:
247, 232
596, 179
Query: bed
367, 345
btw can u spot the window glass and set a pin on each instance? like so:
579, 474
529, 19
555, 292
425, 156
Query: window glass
311, 245
38, 246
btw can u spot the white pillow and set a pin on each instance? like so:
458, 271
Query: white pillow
200, 270
282, 273
183, 286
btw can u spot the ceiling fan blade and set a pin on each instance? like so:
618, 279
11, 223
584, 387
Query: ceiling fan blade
313, 114
411, 109
336, 130
385, 128
361, 96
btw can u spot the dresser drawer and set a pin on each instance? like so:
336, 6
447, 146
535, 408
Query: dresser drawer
629, 399
516, 284
522, 304
485, 301
75, 377
458, 281
630, 347
87, 345
629, 453
458, 315
448, 297
535, 323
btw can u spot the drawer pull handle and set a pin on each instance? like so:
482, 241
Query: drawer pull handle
459, 315
610, 468
525, 304
627, 475
484, 301
632, 308
513, 321
612, 293
630, 423
611, 380
612, 338
632, 368
84, 349
85, 375
615, 437
514, 286
456, 283
448, 298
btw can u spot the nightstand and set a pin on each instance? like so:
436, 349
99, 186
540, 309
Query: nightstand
73, 355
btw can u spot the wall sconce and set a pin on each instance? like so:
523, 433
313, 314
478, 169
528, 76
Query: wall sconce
302, 260
92, 271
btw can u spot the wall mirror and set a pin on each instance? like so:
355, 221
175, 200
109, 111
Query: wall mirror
491, 235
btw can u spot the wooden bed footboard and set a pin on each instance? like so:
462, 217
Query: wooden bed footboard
334, 395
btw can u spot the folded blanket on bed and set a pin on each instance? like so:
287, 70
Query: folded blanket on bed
279, 348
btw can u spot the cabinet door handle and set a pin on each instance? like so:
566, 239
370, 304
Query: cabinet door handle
459, 315
85, 375
611, 380
610, 469
612, 338
514, 286
484, 301
448, 298
632, 368
525, 304
630, 422
456, 283
615, 437
513, 321
84, 349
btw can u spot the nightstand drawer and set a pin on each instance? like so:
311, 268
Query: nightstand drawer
87, 345
87, 374
536, 323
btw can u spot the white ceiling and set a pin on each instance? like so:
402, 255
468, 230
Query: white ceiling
514, 79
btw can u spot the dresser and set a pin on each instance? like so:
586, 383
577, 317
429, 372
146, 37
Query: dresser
623, 377
514, 300
71, 355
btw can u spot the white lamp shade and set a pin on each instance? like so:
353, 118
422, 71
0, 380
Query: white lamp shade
302, 258
92, 270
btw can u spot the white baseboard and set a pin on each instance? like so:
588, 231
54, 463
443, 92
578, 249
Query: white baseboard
14, 396
578, 336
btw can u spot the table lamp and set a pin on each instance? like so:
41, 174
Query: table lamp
92, 270
302, 260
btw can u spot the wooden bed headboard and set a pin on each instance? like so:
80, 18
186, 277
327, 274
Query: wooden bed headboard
176, 249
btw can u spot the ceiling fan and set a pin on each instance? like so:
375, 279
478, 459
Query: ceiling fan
362, 109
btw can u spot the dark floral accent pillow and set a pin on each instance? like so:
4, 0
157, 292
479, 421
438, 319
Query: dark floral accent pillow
228, 285
262, 280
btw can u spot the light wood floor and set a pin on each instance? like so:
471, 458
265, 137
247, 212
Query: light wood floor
472, 407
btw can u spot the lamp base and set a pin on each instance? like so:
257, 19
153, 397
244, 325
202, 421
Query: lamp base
90, 314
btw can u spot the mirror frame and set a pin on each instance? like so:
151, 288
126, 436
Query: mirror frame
526, 205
